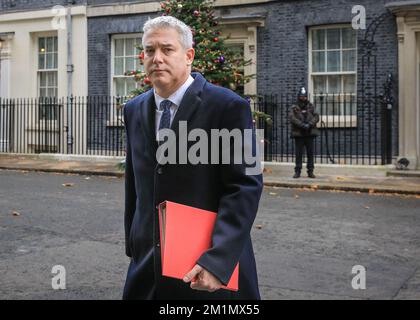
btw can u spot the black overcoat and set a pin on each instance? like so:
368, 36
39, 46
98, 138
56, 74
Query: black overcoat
298, 116
222, 188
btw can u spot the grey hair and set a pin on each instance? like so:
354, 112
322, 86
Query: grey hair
185, 34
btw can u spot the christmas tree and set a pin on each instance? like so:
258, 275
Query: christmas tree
218, 63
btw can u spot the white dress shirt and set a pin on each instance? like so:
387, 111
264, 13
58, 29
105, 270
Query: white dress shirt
175, 98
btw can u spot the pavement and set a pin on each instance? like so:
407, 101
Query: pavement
306, 242
365, 179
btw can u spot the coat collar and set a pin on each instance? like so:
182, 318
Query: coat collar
187, 108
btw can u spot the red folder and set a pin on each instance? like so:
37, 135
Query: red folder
185, 234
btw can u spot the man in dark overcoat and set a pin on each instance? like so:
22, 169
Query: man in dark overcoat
184, 100
304, 119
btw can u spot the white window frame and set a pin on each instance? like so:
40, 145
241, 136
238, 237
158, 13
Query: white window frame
43, 122
38, 70
237, 42
336, 121
115, 121
113, 38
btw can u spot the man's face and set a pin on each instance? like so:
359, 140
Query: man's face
303, 98
166, 62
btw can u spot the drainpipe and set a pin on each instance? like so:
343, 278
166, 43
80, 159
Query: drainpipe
70, 69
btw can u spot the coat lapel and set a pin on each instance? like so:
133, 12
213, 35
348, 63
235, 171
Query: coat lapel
189, 104
147, 118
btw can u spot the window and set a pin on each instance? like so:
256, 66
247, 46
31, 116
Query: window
333, 68
47, 76
124, 58
238, 51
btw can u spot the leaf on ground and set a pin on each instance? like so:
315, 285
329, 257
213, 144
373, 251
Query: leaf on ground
340, 178
15, 213
265, 170
68, 184
366, 207
296, 196
307, 189
273, 194
258, 226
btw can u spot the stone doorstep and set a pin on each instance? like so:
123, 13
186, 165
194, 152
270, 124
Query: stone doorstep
287, 168
404, 173
351, 187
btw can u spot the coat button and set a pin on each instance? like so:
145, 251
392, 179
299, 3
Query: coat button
158, 245
160, 170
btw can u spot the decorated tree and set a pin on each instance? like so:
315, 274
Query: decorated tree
217, 62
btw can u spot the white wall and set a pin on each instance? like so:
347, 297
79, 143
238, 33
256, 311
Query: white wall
27, 26
21, 68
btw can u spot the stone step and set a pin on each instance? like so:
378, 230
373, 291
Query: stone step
404, 173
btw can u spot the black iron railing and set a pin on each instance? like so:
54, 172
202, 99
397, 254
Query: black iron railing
90, 125
351, 131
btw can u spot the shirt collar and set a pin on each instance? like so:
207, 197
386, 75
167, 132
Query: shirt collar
175, 97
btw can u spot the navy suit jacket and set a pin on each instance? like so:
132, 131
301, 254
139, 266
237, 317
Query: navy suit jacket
222, 188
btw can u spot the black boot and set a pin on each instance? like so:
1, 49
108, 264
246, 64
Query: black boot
297, 174
311, 174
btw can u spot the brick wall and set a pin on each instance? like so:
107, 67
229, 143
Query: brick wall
282, 65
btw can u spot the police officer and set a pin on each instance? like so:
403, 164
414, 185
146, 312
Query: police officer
303, 120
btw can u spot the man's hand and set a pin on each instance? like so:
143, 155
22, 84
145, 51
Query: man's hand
306, 126
202, 280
